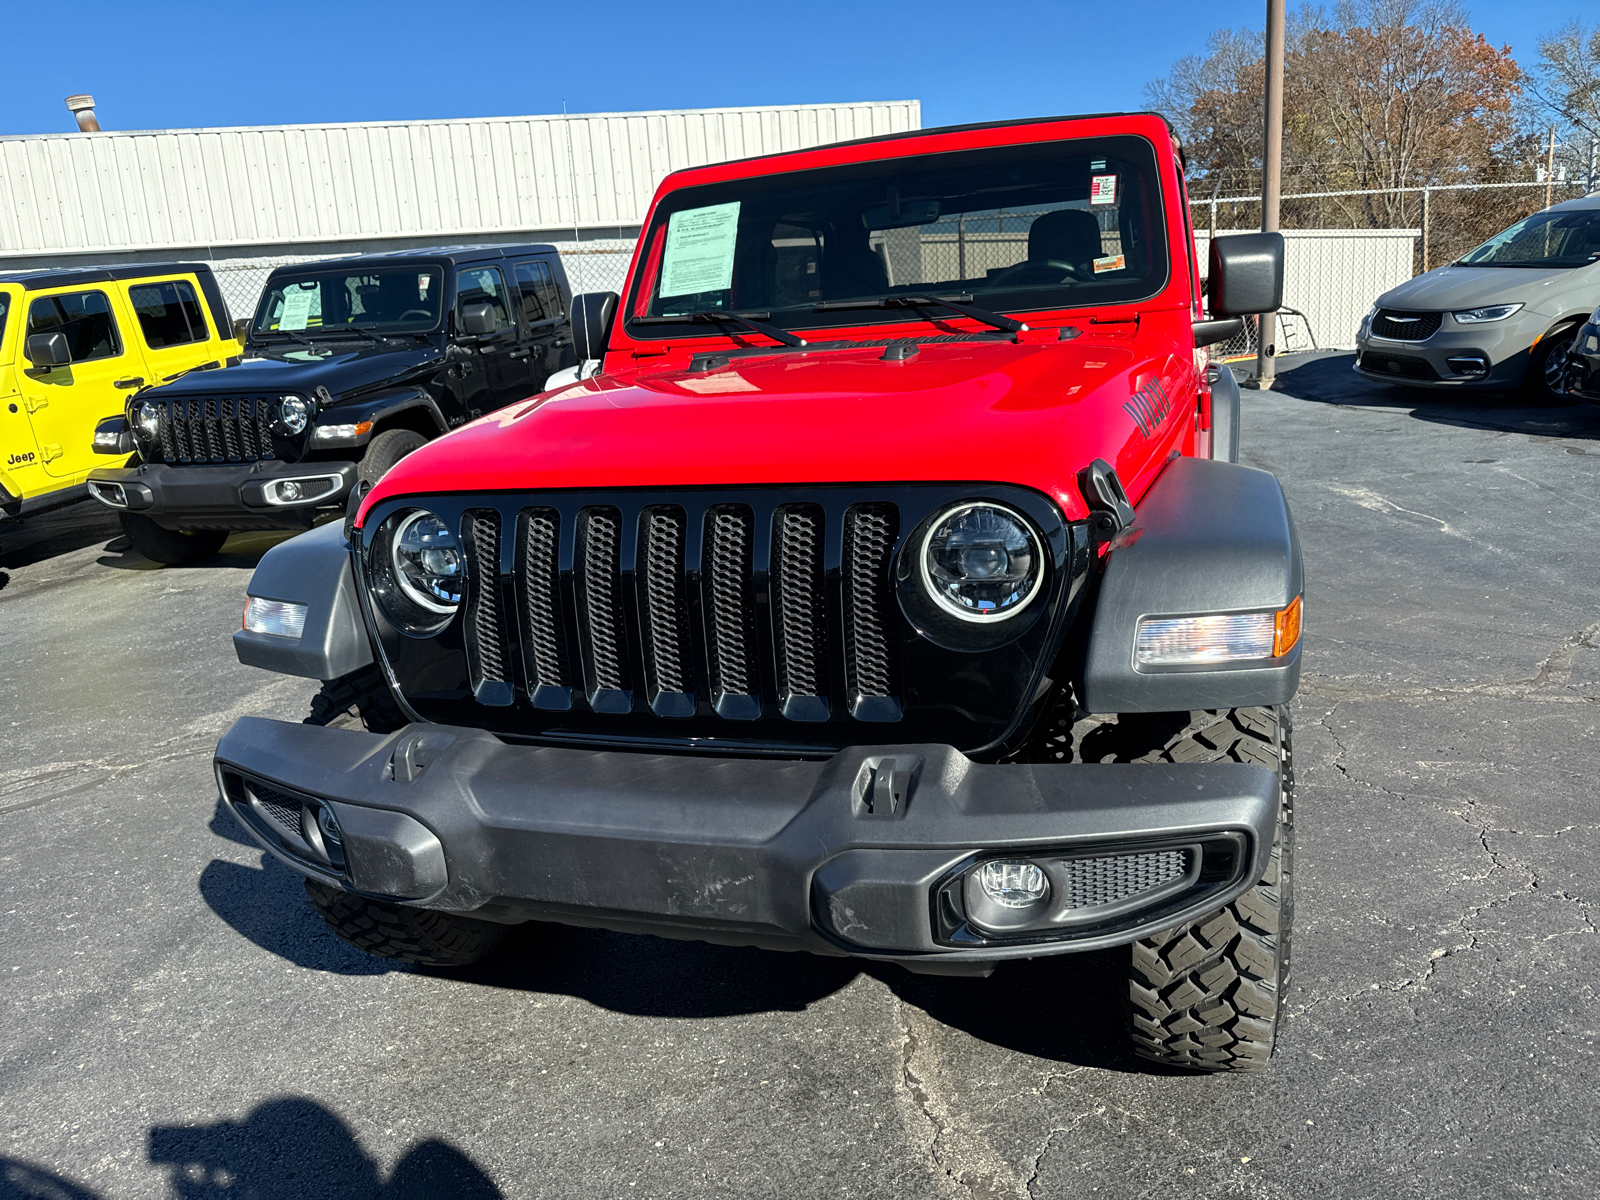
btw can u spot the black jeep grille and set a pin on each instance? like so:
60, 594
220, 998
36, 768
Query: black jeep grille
214, 429
1405, 326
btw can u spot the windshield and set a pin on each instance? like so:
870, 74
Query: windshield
1063, 224
386, 299
1546, 239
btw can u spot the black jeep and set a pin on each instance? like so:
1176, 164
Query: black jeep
348, 366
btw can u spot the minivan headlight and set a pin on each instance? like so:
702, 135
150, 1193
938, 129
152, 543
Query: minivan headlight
1480, 316
417, 567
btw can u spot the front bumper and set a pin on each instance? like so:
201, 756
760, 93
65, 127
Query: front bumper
235, 496
1441, 360
860, 854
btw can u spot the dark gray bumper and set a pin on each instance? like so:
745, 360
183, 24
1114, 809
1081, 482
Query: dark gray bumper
230, 496
843, 856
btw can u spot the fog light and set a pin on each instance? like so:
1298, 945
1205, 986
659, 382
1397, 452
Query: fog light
1013, 883
289, 491
276, 617
328, 825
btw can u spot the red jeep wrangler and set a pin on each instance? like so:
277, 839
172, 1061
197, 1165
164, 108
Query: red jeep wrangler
891, 590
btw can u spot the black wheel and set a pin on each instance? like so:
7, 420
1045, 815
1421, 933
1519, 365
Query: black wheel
1546, 380
414, 935
175, 547
1208, 995
383, 451
361, 698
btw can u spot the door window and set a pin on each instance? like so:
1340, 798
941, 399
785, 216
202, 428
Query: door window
85, 319
541, 299
5, 307
484, 285
169, 314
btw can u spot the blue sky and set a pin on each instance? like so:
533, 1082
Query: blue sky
178, 63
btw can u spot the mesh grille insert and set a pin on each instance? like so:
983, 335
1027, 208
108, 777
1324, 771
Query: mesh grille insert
486, 630
1405, 326
1404, 366
284, 809
666, 606
801, 603
730, 542
1096, 881
546, 649
602, 589
869, 536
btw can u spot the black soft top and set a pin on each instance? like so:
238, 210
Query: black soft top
49, 277
452, 255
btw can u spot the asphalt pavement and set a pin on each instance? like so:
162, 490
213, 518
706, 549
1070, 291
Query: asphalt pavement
175, 1021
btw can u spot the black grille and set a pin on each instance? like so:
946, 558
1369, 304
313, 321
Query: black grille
730, 537
601, 588
1095, 881
869, 537
208, 429
488, 656
284, 809
666, 605
1405, 326
1401, 366
545, 640
802, 621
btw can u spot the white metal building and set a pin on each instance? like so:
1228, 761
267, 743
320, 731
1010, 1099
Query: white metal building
247, 199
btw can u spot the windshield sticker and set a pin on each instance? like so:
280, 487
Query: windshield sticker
1112, 262
699, 253
299, 305
712, 385
1103, 189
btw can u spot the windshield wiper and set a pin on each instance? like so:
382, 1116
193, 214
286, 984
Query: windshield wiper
755, 322
289, 333
953, 303
361, 329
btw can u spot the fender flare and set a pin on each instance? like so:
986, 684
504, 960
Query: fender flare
314, 569
1208, 537
1224, 415
378, 407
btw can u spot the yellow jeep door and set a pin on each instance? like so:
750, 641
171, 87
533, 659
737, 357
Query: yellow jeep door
173, 332
64, 403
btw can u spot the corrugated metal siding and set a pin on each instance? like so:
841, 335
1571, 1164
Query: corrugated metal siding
87, 192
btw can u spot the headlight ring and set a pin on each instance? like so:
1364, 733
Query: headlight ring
417, 569
969, 575
294, 414
147, 415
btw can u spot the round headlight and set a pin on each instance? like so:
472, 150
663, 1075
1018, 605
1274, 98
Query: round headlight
293, 413
418, 570
982, 563
148, 414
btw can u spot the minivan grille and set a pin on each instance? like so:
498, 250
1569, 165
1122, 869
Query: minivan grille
214, 429
722, 605
1405, 326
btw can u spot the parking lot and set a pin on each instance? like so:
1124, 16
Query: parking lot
177, 1021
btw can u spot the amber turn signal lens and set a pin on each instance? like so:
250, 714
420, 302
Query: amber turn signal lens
1287, 632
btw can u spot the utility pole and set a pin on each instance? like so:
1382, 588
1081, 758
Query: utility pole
1550, 169
1594, 166
1271, 180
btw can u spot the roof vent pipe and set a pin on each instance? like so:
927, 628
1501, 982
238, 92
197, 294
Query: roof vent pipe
83, 107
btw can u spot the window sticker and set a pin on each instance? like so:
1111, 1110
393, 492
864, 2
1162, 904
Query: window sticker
1103, 189
1112, 262
699, 253
297, 307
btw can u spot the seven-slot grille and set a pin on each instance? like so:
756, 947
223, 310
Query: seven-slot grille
214, 429
669, 606
1405, 326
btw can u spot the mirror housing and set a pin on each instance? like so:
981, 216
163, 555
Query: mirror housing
477, 320
593, 314
1246, 274
241, 330
48, 350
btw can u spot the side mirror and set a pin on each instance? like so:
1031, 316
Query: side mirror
48, 350
592, 316
241, 330
1246, 274
477, 319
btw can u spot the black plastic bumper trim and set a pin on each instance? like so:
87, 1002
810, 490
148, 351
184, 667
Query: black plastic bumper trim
221, 497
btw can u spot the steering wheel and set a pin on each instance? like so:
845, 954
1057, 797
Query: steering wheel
418, 312
1043, 270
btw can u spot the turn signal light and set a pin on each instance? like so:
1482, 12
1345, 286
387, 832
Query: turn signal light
1287, 632
1217, 638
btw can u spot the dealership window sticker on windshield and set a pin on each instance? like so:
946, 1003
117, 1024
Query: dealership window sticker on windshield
699, 253
300, 304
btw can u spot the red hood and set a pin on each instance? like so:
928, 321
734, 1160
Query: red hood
979, 411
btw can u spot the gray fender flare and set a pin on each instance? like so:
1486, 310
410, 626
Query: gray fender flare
1225, 415
1208, 537
315, 570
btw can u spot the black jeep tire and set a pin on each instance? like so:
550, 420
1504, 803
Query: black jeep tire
1546, 379
414, 935
383, 451
174, 547
361, 698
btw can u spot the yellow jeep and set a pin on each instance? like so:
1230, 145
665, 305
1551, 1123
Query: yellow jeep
73, 343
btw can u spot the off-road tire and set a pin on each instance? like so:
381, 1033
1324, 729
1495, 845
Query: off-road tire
383, 451
361, 699
1545, 381
414, 935
174, 547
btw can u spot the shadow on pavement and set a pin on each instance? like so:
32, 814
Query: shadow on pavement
240, 551
24, 1181
293, 1146
1328, 378
25, 541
